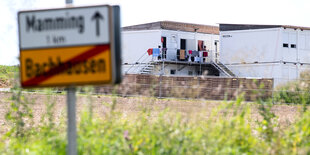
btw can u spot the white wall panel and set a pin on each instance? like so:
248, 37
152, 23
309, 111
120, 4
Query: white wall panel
250, 46
136, 43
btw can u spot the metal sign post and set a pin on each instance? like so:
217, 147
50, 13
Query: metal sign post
69, 2
71, 115
71, 112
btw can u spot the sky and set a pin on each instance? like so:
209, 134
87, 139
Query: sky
207, 12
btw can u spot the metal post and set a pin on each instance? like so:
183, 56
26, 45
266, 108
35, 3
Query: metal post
69, 1
71, 113
71, 110
160, 77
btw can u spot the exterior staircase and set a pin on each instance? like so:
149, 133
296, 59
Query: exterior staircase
148, 68
222, 68
142, 66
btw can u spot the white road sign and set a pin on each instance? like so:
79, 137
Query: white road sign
64, 27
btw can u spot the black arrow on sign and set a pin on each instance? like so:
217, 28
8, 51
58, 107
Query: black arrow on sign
97, 16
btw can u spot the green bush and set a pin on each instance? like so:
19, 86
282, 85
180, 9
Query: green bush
297, 92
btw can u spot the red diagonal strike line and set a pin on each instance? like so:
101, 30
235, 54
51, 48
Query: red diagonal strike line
74, 61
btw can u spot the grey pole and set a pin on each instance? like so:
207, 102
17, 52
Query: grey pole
71, 110
69, 1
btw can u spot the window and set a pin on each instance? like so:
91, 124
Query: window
164, 45
172, 71
183, 44
285, 44
164, 42
200, 45
293, 45
190, 72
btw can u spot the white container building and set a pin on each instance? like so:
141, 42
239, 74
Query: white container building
265, 51
171, 37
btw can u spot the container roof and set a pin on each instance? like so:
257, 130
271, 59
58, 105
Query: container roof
177, 26
235, 27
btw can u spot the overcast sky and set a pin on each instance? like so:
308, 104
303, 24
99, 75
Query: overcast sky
208, 12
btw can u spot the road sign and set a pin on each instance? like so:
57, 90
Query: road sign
70, 46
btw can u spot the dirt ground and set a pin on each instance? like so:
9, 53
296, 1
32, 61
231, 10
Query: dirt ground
130, 106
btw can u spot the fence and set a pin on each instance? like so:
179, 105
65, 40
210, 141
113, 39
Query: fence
212, 88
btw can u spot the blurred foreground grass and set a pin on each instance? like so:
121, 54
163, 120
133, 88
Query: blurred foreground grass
7, 74
228, 128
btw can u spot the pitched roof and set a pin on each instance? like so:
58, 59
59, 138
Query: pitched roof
177, 26
234, 27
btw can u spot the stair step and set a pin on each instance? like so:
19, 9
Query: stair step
147, 68
144, 72
224, 69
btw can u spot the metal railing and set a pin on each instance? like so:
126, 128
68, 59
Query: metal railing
138, 64
145, 61
218, 67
